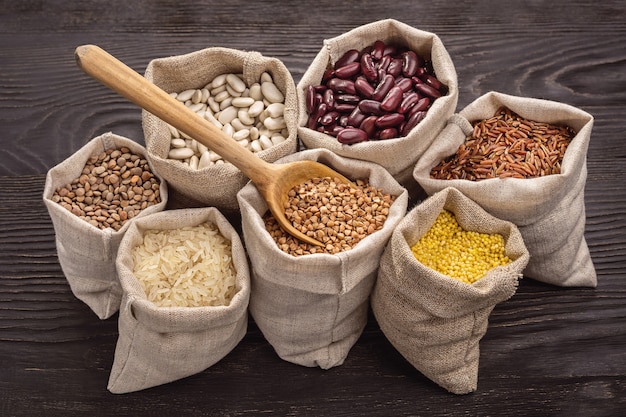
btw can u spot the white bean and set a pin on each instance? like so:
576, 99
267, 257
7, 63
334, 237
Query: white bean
245, 117
275, 109
241, 134
185, 95
178, 143
219, 80
243, 101
205, 160
235, 82
193, 162
256, 108
265, 142
278, 139
255, 146
276, 123
180, 153
272, 93
227, 115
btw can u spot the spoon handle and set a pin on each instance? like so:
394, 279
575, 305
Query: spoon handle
111, 72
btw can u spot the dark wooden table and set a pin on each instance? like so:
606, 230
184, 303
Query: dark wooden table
547, 351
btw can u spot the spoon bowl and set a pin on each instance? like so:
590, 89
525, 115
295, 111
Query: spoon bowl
274, 181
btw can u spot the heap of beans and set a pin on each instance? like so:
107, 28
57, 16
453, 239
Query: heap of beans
114, 186
507, 145
336, 214
463, 255
253, 116
379, 93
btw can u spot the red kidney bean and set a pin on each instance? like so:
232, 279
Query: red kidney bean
427, 90
410, 63
345, 107
383, 64
410, 99
390, 50
311, 99
351, 135
395, 67
350, 56
348, 70
388, 133
392, 99
343, 120
368, 125
329, 98
383, 87
413, 121
389, 120
404, 83
378, 49
328, 74
333, 130
329, 118
368, 69
315, 117
370, 107
422, 104
432, 81
356, 117
348, 98
363, 87
341, 86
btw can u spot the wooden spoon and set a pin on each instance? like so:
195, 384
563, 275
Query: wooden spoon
272, 180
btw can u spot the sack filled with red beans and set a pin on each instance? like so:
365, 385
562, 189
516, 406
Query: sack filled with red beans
380, 92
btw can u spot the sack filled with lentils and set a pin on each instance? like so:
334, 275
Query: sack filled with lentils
447, 265
522, 160
91, 198
380, 92
186, 287
311, 302
250, 97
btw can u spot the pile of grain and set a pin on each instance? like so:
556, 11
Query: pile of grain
186, 267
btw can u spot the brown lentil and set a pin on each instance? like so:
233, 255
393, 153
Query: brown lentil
507, 145
337, 215
106, 195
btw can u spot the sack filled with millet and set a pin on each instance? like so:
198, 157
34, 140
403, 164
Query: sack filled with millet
447, 265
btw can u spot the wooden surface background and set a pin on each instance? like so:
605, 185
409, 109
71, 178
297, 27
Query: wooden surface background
547, 351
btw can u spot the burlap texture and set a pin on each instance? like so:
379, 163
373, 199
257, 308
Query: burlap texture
217, 185
399, 155
549, 210
313, 308
86, 253
158, 345
434, 321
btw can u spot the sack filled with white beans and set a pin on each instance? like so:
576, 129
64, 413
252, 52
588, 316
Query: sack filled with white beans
399, 153
186, 287
549, 209
435, 321
313, 308
250, 97
86, 252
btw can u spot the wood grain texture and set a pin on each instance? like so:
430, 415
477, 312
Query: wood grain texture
548, 351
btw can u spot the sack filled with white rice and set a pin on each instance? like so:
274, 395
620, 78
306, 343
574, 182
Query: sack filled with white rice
186, 287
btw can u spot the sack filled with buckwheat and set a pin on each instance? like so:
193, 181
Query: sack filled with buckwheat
311, 302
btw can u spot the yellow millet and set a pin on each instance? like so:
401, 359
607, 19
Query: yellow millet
457, 253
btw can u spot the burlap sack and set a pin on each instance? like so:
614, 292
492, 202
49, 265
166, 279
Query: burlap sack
87, 253
434, 321
313, 308
217, 185
158, 345
399, 155
549, 210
